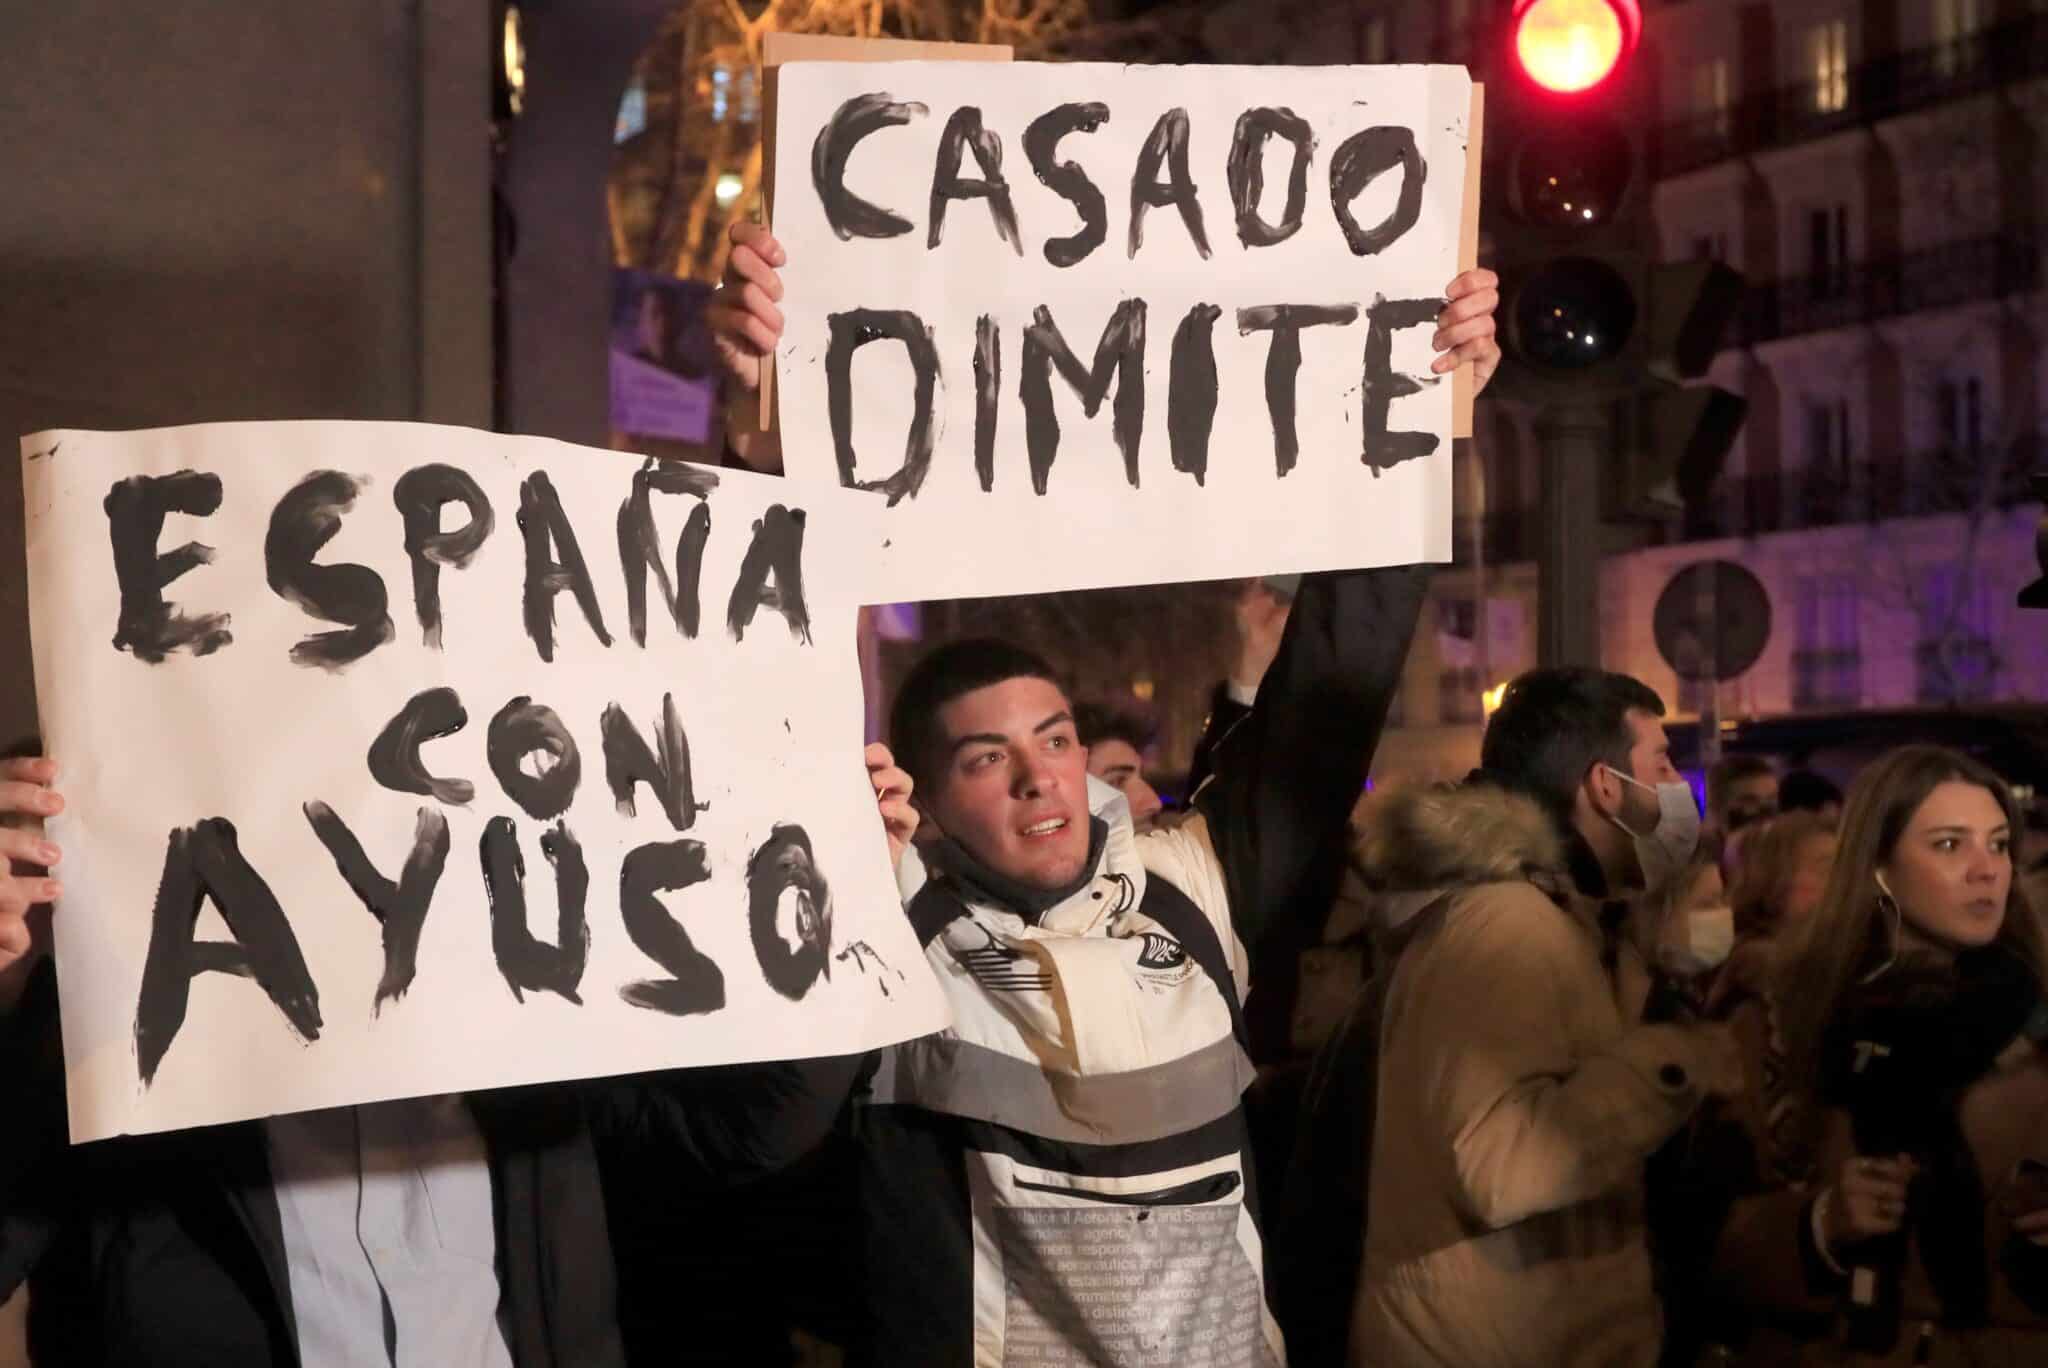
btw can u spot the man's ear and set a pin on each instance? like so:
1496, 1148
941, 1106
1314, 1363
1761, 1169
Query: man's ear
1602, 789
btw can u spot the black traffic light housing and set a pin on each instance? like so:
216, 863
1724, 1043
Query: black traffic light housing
1588, 315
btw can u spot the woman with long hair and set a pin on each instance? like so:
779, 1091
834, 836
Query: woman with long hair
1777, 886
1901, 1114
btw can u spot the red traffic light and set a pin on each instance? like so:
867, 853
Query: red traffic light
1567, 46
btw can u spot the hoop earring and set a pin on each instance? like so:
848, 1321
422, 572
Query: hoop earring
1886, 900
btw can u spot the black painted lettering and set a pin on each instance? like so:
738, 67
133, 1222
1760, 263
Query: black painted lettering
529, 964
695, 984
794, 951
1168, 144
640, 552
964, 133
1066, 179
1283, 362
548, 534
136, 508
205, 861
777, 550
1191, 391
849, 215
849, 332
665, 767
1119, 356
395, 755
525, 728
988, 384
421, 494
305, 520
1382, 384
1362, 159
1247, 167
400, 908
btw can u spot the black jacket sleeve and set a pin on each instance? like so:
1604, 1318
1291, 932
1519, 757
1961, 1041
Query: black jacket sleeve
1225, 713
33, 1139
718, 1126
1288, 775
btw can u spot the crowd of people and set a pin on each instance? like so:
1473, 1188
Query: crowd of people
1544, 1067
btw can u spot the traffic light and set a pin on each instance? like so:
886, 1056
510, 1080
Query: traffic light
1588, 315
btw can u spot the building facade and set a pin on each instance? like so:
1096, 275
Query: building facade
1872, 167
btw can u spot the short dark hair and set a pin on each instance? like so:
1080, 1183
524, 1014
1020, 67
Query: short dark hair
1731, 770
1806, 791
1552, 725
944, 674
1098, 722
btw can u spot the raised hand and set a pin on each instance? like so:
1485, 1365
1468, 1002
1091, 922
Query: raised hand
892, 797
25, 857
745, 322
1464, 328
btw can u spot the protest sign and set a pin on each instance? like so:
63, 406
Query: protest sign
663, 363
464, 760
1084, 325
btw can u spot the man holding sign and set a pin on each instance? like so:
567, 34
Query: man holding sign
1062, 1176
319, 920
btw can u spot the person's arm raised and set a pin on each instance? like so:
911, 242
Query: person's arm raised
746, 325
1288, 776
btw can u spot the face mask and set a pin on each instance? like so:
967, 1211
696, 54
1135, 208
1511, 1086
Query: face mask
1704, 942
1667, 847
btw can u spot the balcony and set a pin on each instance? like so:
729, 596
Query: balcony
1934, 483
1861, 293
1882, 88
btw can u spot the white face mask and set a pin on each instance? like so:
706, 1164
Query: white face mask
1703, 941
1668, 847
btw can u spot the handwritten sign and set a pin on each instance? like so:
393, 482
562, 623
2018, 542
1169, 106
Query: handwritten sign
1083, 325
408, 760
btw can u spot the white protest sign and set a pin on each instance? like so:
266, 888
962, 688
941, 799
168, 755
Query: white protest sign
1085, 325
393, 755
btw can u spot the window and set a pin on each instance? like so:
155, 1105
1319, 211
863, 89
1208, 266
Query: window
1956, 22
1372, 39
1955, 657
1828, 56
721, 94
1827, 655
1828, 491
1959, 415
1827, 251
1710, 97
1827, 437
749, 97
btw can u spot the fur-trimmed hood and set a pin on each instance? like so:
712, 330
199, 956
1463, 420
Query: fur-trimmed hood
1412, 844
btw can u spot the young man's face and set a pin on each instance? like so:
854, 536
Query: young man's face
1649, 764
1117, 763
1012, 787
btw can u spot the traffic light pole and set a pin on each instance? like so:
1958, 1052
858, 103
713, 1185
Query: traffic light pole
1573, 439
